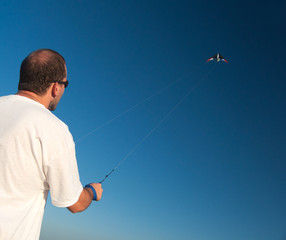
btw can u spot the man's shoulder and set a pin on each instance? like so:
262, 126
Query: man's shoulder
30, 112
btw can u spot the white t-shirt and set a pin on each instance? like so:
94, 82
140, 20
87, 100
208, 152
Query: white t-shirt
37, 154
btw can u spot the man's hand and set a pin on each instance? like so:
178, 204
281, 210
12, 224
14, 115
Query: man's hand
98, 189
86, 197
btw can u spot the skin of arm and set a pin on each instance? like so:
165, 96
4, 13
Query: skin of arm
85, 198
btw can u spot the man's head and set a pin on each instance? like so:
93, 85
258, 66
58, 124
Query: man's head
41, 71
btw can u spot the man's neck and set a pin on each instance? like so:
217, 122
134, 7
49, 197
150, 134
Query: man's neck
32, 96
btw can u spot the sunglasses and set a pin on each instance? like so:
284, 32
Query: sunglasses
66, 83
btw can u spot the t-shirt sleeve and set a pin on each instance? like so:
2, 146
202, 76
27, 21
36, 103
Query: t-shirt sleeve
60, 167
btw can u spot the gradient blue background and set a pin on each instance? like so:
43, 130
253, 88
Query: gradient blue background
215, 168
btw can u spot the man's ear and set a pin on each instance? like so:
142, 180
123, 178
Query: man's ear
54, 89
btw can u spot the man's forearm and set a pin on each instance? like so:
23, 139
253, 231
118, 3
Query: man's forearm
83, 202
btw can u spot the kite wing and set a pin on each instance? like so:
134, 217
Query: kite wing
222, 58
212, 58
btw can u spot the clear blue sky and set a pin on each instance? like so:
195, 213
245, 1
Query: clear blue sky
215, 168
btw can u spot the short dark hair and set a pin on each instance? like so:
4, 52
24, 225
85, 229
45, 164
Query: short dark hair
39, 69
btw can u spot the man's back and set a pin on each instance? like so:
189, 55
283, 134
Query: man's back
31, 164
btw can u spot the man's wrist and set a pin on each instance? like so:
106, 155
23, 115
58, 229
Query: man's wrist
93, 191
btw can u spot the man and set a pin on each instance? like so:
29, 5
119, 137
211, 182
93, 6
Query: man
37, 152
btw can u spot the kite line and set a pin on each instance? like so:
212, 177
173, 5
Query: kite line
139, 103
158, 124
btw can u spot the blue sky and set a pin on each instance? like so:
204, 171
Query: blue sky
214, 169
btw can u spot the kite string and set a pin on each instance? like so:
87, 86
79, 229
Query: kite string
157, 125
139, 103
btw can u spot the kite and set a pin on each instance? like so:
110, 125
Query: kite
218, 57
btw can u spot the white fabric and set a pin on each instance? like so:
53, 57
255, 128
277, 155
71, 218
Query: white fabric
37, 154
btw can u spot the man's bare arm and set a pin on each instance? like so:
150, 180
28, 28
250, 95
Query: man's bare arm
86, 197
